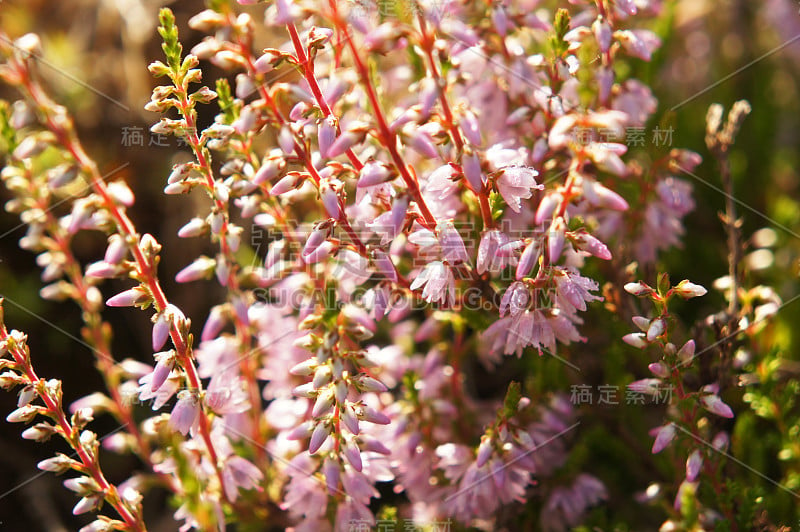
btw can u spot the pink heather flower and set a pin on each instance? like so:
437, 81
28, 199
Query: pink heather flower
586, 242
353, 513
322, 252
165, 363
600, 196
639, 43
326, 136
530, 328
239, 473
116, 250
687, 290
656, 329
385, 266
200, 268
636, 100
353, 454
515, 183
663, 217
686, 353
713, 403
102, 270
566, 507
693, 465
472, 171
602, 32
440, 183
389, 224
128, 298
659, 369
422, 142
440, 285
529, 258
315, 239
374, 173
161, 328
161, 394
647, 386
606, 155
573, 290
331, 472
318, 437
452, 245
516, 299
330, 200
225, 393
499, 474
663, 437
305, 495
496, 252
555, 239
186, 412
214, 324
289, 182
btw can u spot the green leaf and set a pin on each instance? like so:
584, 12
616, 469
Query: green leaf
169, 32
511, 402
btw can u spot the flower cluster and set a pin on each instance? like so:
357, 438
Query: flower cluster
417, 217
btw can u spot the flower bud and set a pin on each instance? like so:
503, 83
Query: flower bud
129, 298
120, 193
349, 419
484, 451
289, 182
602, 32
687, 289
374, 173
693, 465
58, 464
471, 167
663, 438
686, 353
116, 251
326, 135
659, 369
39, 432
330, 200
318, 437
201, 268
186, 412
384, 265
352, 453
638, 289
656, 329
23, 414
555, 239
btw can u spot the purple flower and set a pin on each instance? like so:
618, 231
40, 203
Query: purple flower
129, 298
200, 268
496, 251
452, 245
515, 183
516, 299
713, 403
239, 473
693, 465
186, 412
439, 283
663, 437
573, 290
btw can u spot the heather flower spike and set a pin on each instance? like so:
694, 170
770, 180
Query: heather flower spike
388, 203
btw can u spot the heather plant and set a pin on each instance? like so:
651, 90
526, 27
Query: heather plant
426, 219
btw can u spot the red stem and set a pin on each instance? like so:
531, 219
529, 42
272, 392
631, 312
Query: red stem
72, 437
